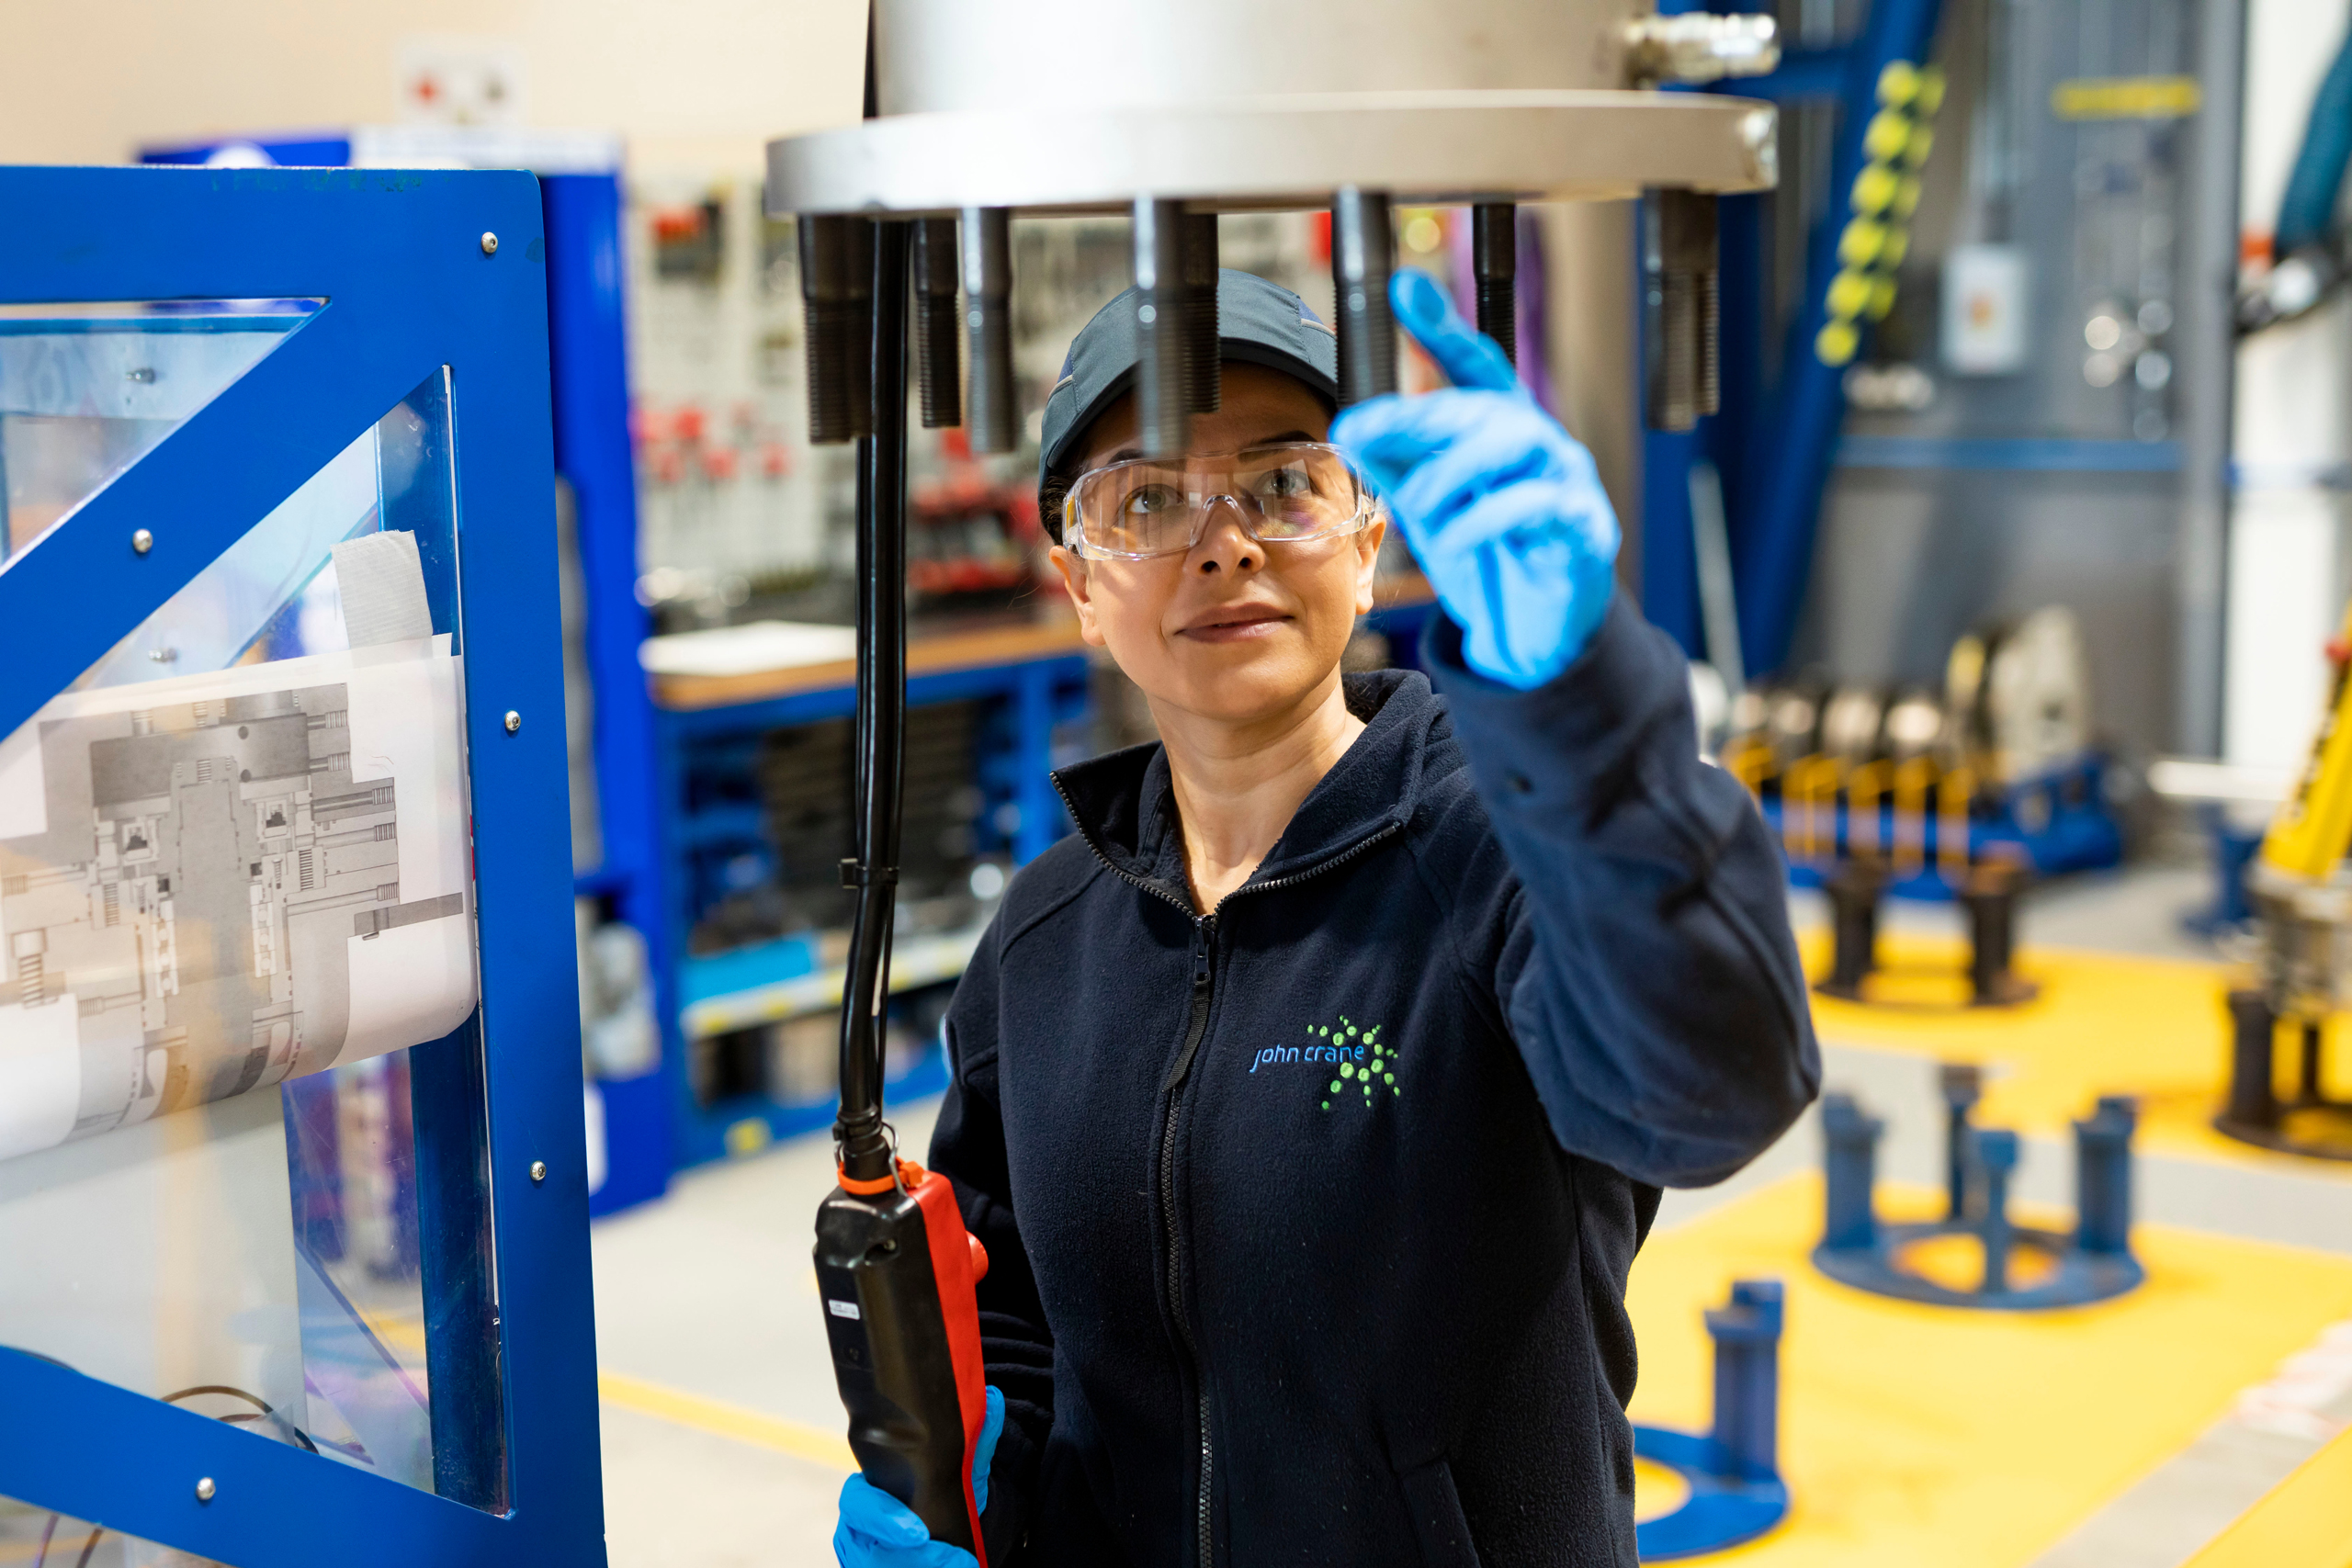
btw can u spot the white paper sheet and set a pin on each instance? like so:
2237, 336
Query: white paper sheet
213, 882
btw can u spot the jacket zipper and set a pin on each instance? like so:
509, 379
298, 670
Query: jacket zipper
1203, 985
1204, 970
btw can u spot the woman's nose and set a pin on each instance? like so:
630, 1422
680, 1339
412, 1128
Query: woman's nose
1225, 545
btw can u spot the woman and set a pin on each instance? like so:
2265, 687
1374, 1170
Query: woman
1313, 1097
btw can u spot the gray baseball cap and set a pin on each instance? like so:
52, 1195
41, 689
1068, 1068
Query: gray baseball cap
1257, 324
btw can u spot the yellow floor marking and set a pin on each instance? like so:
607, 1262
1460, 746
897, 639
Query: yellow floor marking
1658, 1489
1943, 1439
2105, 1023
2304, 1522
726, 1420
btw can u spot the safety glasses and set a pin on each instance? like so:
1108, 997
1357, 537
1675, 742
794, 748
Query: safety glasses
1284, 493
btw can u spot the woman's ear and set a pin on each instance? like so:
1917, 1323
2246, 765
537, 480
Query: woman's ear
1073, 571
1368, 542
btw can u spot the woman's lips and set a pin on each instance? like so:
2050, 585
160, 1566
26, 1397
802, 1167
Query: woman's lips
1235, 624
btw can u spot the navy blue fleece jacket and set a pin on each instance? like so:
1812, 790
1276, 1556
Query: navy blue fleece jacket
1309, 1219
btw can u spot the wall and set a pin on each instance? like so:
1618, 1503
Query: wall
698, 83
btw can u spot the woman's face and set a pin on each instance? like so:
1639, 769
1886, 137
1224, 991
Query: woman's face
1232, 629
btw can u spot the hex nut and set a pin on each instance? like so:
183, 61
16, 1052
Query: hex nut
141, 541
488, 243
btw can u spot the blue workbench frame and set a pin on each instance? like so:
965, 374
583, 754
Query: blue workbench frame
398, 256
1032, 687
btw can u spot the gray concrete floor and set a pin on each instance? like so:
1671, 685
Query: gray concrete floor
708, 1294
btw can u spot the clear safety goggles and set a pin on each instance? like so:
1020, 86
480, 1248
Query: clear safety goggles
1280, 494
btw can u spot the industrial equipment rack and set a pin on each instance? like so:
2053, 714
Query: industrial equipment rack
422, 275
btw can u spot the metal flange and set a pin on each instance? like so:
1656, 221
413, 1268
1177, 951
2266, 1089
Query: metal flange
1438, 146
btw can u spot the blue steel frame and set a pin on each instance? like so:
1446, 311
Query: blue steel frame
398, 256
1774, 444
588, 360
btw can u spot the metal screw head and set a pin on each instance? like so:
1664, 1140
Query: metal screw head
514, 721
488, 243
538, 1171
141, 541
205, 1490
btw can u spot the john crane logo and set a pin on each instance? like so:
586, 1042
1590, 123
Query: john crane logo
1363, 1063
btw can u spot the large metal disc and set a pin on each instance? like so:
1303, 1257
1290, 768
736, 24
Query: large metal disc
1442, 146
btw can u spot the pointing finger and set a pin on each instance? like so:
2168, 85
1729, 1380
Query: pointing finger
1468, 357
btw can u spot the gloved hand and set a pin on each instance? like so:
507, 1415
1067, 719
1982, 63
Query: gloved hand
1501, 506
877, 1530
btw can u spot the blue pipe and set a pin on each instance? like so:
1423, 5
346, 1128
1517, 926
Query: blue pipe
2308, 209
1792, 450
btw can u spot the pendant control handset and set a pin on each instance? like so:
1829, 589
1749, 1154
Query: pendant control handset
897, 1271
895, 1266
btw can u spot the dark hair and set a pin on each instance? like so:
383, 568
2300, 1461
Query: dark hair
1051, 491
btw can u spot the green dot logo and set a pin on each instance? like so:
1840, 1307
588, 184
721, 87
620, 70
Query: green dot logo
1358, 1056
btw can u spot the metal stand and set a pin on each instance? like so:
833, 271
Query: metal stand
2311, 1123
1989, 894
1854, 893
1733, 1471
1859, 1250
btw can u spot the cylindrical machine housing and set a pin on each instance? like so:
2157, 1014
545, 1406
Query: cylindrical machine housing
935, 55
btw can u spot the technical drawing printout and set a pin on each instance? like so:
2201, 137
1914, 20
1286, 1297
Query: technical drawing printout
214, 883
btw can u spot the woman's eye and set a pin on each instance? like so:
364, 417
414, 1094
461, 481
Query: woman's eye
1149, 500
1285, 484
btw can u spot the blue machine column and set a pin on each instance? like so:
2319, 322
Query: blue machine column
1962, 1084
2103, 1175
1852, 1139
1995, 1155
1747, 1333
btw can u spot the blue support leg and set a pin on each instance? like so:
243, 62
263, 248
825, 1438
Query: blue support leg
1995, 1157
1963, 1083
1851, 1140
1736, 1493
2103, 1177
1748, 1376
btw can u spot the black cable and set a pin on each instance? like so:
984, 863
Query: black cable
252, 1399
41, 1556
88, 1547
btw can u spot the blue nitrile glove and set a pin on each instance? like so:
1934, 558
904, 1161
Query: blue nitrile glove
1501, 506
878, 1532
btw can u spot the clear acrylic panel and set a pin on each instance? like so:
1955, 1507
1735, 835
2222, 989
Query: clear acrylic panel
86, 391
241, 1108
36, 1538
